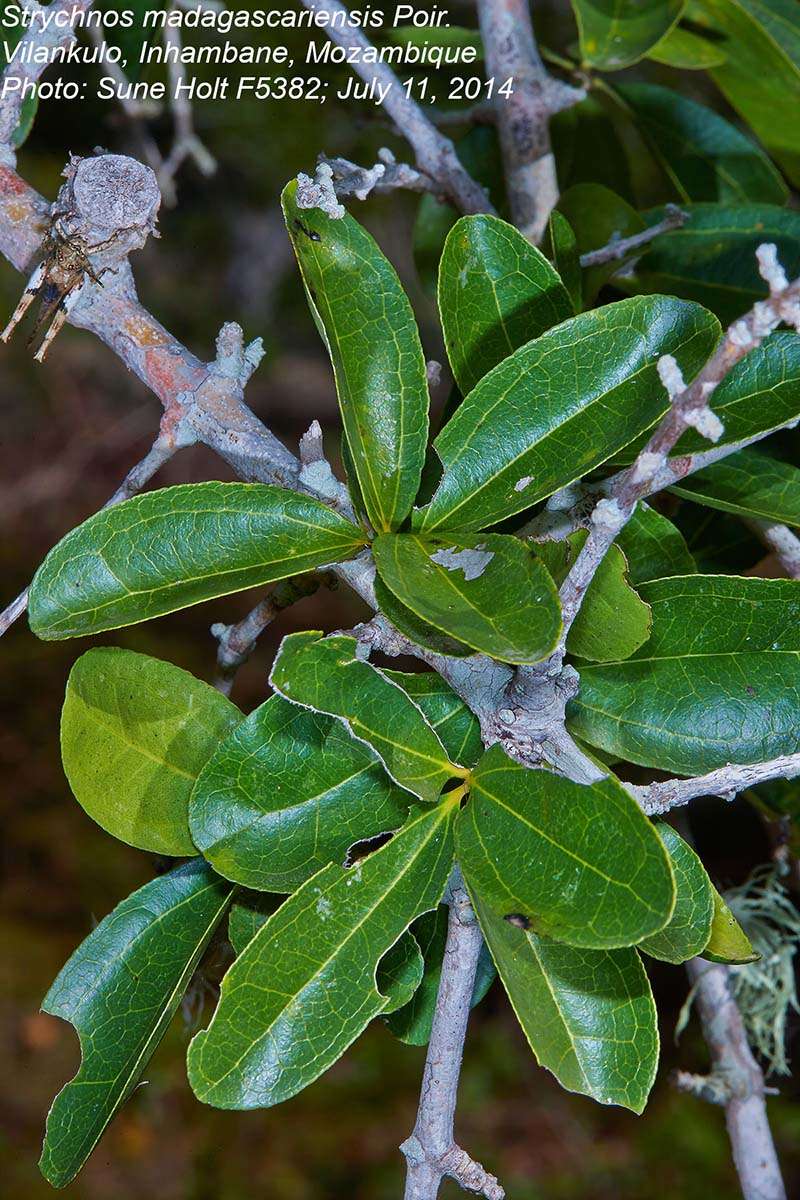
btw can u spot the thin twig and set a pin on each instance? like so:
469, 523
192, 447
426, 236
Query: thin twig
618, 248
738, 1083
688, 408
237, 642
431, 1152
434, 153
727, 782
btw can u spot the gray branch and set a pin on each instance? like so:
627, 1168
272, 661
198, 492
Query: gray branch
737, 1082
689, 407
431, 1152
434, 153
727, 782
237, 642
523, 118
621, 247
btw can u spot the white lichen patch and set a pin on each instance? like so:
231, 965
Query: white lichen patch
472, 562
324, 908
706, 422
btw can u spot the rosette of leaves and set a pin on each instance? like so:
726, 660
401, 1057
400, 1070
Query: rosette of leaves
328, 821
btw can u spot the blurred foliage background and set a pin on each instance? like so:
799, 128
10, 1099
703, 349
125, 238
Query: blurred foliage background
70, 430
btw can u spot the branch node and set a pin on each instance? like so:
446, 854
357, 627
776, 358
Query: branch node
319, 192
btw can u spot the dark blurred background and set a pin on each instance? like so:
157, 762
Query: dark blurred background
70, 430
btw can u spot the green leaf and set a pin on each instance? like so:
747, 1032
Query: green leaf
27, 116
304, 987
728, 942
412, 1023
457, 727
410, 625
287, 793
131, 40
367, 324
588, 1015
400, 972
712, 258
613, 621
588, 148
654, 547
135, 734
690, 925
761, 74
687, 51
748, 484
488, 591
704, 156
717, 682
562, 248
325, 674
616, 33
598, 216
496, 292
595, 387
248, 912
120, 990
178, 546
580, 863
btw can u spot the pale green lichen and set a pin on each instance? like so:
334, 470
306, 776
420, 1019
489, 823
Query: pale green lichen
765, 990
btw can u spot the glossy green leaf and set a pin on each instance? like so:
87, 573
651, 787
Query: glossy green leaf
400, 972
654, 547
761, 74
135, 734
689, 927
580, 863
27, 116
688, 51
728, 942
456, 725
616, 33
325, 674
613, 621
248, 912
304, 987
178, 546
559, 407
588, 148
588, 1015
599, 216
367, 324
712, 258
411, 626
488, 591
748, 484
412, 1023
120, 990
131, 40
288, 792
717, 682
704, 156
496, 292
562, 248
